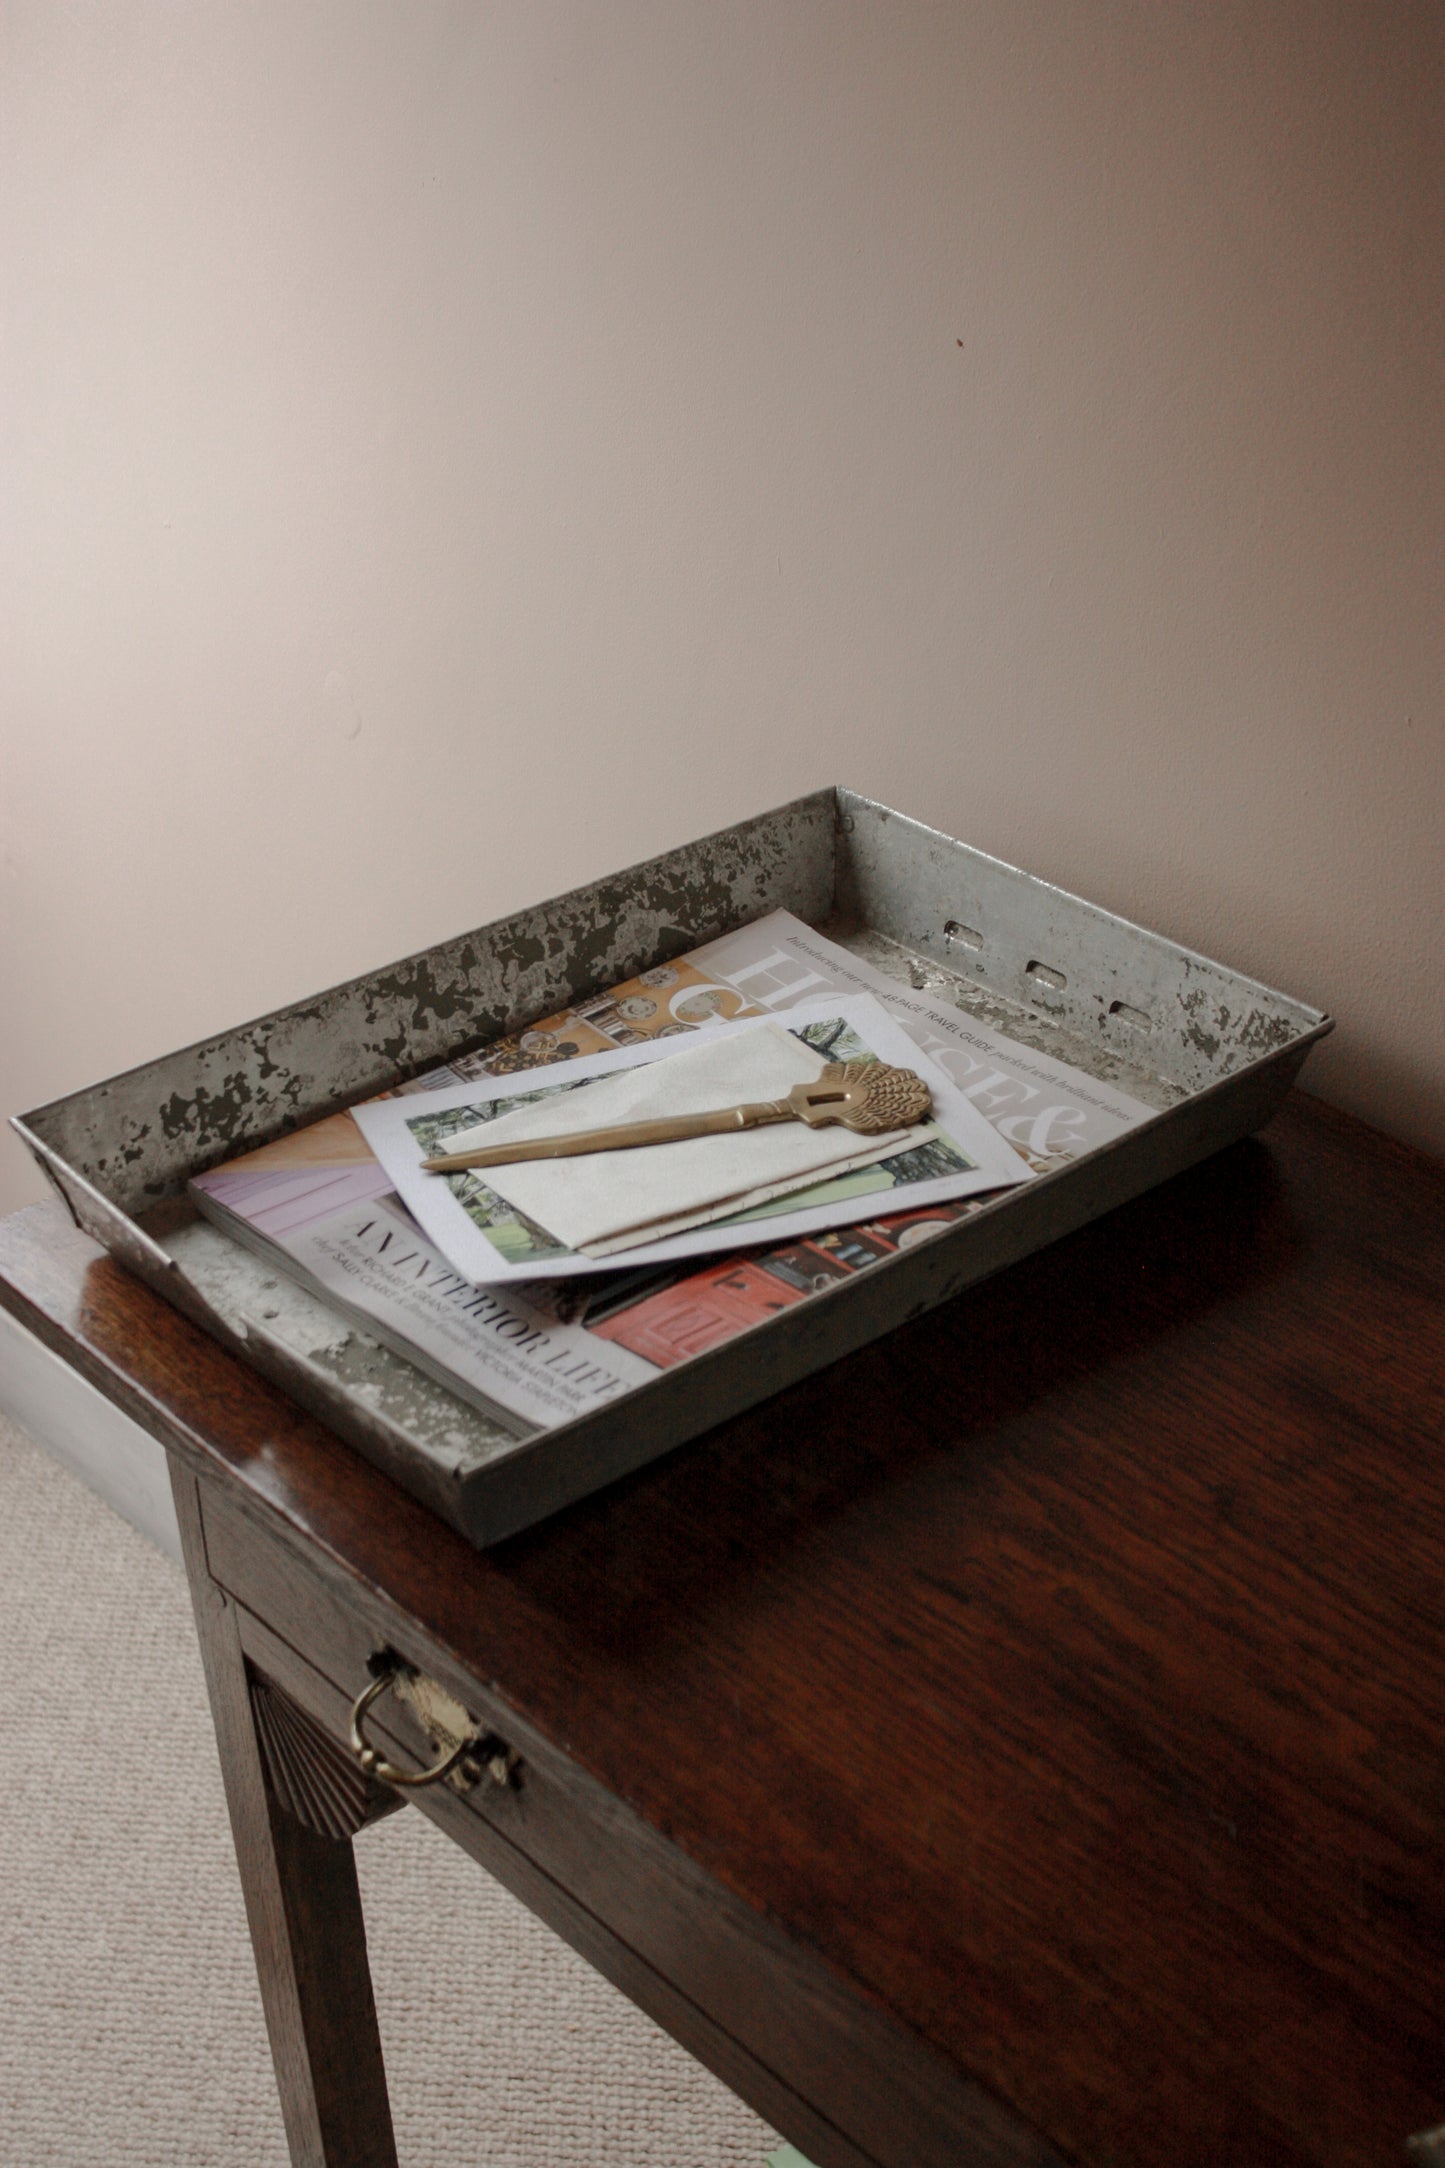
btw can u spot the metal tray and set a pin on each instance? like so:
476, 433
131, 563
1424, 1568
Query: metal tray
1214, 1052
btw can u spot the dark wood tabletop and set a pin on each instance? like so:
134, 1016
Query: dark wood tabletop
1062, 1673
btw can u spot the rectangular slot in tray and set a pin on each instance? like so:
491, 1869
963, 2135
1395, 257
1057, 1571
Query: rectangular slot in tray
1212, 1051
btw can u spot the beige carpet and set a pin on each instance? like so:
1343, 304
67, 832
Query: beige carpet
130, 2027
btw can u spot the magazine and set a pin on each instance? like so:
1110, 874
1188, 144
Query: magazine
699, 1310
659, 1003
525, 1366
1047, 1109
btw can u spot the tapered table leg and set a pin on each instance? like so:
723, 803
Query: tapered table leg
304, 1910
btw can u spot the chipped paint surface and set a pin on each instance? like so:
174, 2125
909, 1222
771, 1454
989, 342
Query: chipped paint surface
1128, 1006
1044, 1033
138, 1138
267, 1311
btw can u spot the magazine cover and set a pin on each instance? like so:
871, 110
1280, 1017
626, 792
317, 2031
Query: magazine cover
699, 1310
1044, 1107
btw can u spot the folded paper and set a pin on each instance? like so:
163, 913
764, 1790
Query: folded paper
957, 1154
605, 1202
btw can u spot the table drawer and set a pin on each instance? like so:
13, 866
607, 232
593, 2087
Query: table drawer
321, 1640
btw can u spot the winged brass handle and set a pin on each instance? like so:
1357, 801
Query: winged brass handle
465, 1754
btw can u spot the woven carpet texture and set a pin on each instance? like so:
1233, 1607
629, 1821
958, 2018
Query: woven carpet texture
130, 2023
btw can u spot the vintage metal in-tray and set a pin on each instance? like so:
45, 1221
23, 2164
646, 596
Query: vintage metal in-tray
1214, 1052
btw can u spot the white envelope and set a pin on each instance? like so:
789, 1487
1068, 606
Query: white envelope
490, 1242
602, 1202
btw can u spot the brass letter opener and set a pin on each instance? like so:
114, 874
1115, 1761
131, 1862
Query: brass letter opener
864, 1095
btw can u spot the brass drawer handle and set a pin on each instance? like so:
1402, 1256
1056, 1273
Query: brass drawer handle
465, 1754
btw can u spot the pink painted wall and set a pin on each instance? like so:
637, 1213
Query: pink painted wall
454, 450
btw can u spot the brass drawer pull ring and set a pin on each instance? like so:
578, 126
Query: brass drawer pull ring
387, 1772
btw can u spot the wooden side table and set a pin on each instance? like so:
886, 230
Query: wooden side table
1023, 1742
